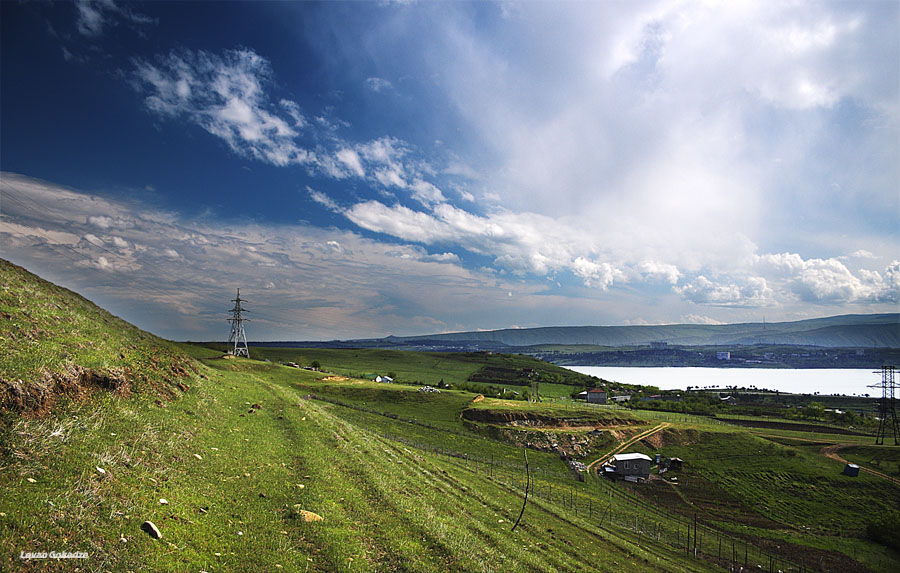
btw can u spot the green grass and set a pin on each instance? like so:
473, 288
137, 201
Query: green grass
385, 505
430, 368
885, 459
401, 480
54, 337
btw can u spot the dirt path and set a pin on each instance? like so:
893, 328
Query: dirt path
831, 452
625, 444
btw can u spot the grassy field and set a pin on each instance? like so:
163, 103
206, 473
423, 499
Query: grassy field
430, 368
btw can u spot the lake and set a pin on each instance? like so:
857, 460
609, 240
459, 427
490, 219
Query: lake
849, 382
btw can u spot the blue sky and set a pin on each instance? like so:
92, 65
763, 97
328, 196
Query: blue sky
363, 169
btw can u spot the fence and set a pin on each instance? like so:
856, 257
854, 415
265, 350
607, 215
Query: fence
606, 505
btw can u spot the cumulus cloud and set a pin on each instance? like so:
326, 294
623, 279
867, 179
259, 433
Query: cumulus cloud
829, 280
753, 292
593, 273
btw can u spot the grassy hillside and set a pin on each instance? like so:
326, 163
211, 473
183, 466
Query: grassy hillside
238, 467
255, 466
57, 344
238, 460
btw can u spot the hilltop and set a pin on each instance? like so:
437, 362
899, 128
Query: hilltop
852, 330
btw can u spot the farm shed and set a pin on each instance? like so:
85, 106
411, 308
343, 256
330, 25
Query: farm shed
633, 466
596, 396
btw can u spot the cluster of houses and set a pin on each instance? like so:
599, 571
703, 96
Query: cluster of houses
635, 467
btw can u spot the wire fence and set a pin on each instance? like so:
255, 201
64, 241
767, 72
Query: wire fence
609, 506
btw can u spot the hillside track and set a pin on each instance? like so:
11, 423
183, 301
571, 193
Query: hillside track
626, 443
831, 452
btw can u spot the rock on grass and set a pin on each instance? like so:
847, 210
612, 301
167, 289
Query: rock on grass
151, 529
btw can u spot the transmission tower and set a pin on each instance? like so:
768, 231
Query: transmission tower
237, 328
887, 413
535, 395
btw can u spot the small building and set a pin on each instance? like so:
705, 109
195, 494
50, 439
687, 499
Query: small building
596, 396
851, 470
675, 463
723, 355
622, 398
385, 379
634, 466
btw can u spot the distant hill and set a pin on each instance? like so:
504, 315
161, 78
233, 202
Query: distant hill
851, 330
57, 343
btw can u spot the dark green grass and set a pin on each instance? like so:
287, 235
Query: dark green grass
885, 459
795, 486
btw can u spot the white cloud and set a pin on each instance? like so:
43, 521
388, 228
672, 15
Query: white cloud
94, 240
659, 271
699, 319
443, 257
351, 160
96, 15
829, 280
426, 193
593, 273
179, 274
379, 85
225, 96
753, 292
863, 254
323, 199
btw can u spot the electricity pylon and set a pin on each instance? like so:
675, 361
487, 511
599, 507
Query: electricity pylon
886, 412
237, 328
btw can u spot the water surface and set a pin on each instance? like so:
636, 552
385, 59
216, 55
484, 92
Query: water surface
849, 382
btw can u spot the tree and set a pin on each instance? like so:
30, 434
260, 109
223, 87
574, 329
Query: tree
315, 365
814, 410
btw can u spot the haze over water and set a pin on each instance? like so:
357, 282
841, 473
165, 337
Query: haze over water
798, 381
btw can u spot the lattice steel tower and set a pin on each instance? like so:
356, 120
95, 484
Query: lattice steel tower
886, 410
237, 328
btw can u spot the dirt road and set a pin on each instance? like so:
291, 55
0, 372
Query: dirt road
831, 452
